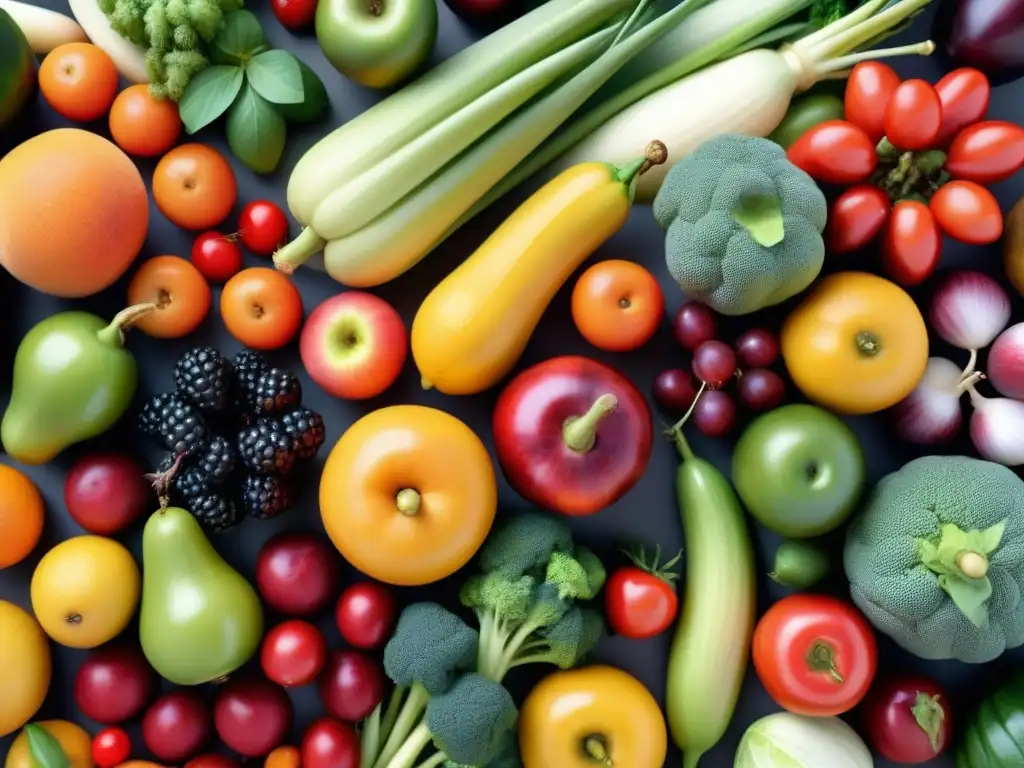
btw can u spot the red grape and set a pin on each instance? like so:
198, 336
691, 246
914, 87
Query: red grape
714, 363
694, 324
757, 348
674, 390
715, 413
761, 389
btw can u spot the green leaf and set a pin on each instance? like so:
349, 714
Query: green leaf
276, 76
256, 131
240, 39
208, 96
43, 749
314, 99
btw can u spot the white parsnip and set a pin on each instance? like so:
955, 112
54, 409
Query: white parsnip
44, 29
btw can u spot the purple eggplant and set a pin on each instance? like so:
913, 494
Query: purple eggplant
984, 34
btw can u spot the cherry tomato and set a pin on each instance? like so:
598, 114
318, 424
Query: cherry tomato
352, 685
968, 212
868, 90
262, 227
857, 215
261, 308
836, 152
330, 743
908, 719
111, 747
640, 600
965, 95
987, 152
194, 187
141, 125
913, 116
815, 654
912, 243
79, 81
181, 295
294, 14
293, 653
366, 614
216, 256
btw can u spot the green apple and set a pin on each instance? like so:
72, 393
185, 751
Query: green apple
799, 470
377, 43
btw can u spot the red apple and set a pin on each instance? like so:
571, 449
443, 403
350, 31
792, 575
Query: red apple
297, 572
176, 726
252, 716
106, 492
114, 683
354, 345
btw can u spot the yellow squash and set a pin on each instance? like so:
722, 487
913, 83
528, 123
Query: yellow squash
472, 328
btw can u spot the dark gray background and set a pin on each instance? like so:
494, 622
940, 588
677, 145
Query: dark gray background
647, 514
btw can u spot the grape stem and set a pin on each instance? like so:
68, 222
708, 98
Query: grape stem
679, 424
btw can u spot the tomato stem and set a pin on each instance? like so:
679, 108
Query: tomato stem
929, 716
595, 747
821, 658
580, 432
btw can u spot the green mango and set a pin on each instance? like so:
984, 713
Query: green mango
200, 619
73, 379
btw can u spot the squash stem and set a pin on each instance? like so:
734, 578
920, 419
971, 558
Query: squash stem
293, 255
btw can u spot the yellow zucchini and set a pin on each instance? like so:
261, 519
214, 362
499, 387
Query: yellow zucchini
472, 328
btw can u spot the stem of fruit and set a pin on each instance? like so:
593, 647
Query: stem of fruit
929, 716
596, 748
161, 481
821, 658
868, 344
678, 426
113, 334
408, 502
969, 381
580, 432
293, 255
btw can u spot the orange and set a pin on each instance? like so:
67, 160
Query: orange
283, 757
73, 740
21, 516
180, 292
25, 667
75, 213
142, 125
617, 305
261, 308
79, 81
194, 187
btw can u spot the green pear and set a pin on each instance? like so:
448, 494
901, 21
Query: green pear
200, 620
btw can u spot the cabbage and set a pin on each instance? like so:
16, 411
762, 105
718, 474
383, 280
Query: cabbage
785, 740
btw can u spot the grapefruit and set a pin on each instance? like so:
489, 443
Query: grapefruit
75, 212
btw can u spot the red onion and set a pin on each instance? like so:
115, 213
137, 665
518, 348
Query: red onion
969, 310
997, 429
1006, 362
931, 413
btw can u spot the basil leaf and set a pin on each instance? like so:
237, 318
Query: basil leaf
255, 130
240, 39
208, 96
44, 750
276, 76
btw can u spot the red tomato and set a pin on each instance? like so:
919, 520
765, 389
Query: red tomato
640, 600
868, 90
908, 719
293, 653
216, 256
968, 212
330, 743
912, 243
987, 152
836, 152
111, 747
857, 215
815, 654
964, 94
294, 14
262, 227
913, 116
366, 614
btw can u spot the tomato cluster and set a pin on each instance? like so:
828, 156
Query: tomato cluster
914, 158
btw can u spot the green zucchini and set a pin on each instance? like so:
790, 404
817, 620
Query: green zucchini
709, 653
994, 736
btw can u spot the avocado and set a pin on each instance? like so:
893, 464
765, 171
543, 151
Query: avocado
17, 69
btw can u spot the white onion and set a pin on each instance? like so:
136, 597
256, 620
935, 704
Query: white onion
997, 429
969, 310
931, 413
1006, 362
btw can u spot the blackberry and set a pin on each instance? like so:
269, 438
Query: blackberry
218, 460
182, 426
265, 448
214, 512
152, 414
277, 391
190, 484
305, 428
204, 377
248, 367
265, 496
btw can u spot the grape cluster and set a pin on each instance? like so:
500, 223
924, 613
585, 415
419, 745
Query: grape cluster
714, 365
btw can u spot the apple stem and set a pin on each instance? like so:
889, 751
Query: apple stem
293, 255
580, 432
113, 334
408, 502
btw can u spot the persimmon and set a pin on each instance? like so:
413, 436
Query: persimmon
617, 305
79, 80
181, 295
194, 187
261, 308
142, 125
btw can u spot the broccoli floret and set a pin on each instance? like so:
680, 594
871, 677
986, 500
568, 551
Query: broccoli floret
469, 722
596, 573
508, 756
523, 545
566, 573
508, 599
566, 642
